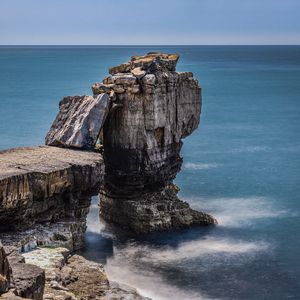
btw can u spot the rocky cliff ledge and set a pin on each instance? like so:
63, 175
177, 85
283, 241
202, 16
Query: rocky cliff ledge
46, 191
156, 108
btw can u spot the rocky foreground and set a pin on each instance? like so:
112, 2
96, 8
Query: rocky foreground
45, 196
137, 118
54, 274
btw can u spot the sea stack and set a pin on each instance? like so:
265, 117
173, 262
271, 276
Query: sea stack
156, 107
140, 114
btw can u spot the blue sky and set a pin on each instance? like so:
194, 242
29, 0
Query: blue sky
102, 22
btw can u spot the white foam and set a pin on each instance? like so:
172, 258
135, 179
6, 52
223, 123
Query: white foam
199, 166
93, 221
203, 248
236, 212
140, 265
125, 267
251, 149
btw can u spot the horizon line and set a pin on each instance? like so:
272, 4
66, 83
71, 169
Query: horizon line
137, 45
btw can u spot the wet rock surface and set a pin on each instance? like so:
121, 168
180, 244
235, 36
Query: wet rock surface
151, 213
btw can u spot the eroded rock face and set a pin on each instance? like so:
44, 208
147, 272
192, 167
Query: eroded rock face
23, 280
45, 195
157, 108
153, 211
74, 277
78, 122
4, 271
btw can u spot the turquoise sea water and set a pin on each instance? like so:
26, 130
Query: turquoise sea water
242, 165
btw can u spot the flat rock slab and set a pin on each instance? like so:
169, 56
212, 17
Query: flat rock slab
79, 122
43, 159
40, 183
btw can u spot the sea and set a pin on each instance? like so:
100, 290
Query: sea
242, 165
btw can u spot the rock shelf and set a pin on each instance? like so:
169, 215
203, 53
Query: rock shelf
45, 184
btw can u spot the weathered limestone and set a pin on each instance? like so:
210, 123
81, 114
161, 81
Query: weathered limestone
43, 185
67, 233
23, 280
79, 122
29, 280
74, 277
4, 271
157, 108
154, 211
52, 273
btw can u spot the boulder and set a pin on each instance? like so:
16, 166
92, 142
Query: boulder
4, 284
4, 270
123, 68
25, 280
138, 72
29, 280
100, 88
74, 277
79, 122
88, 280
11, 296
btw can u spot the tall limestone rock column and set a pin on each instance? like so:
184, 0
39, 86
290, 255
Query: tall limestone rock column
155, 108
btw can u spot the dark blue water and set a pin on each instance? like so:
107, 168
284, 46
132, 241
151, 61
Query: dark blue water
242, 165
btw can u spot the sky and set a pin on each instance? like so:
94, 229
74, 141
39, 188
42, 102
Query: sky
149, 22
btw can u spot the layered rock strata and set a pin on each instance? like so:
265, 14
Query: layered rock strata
156, 108
79, 122
46, 185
